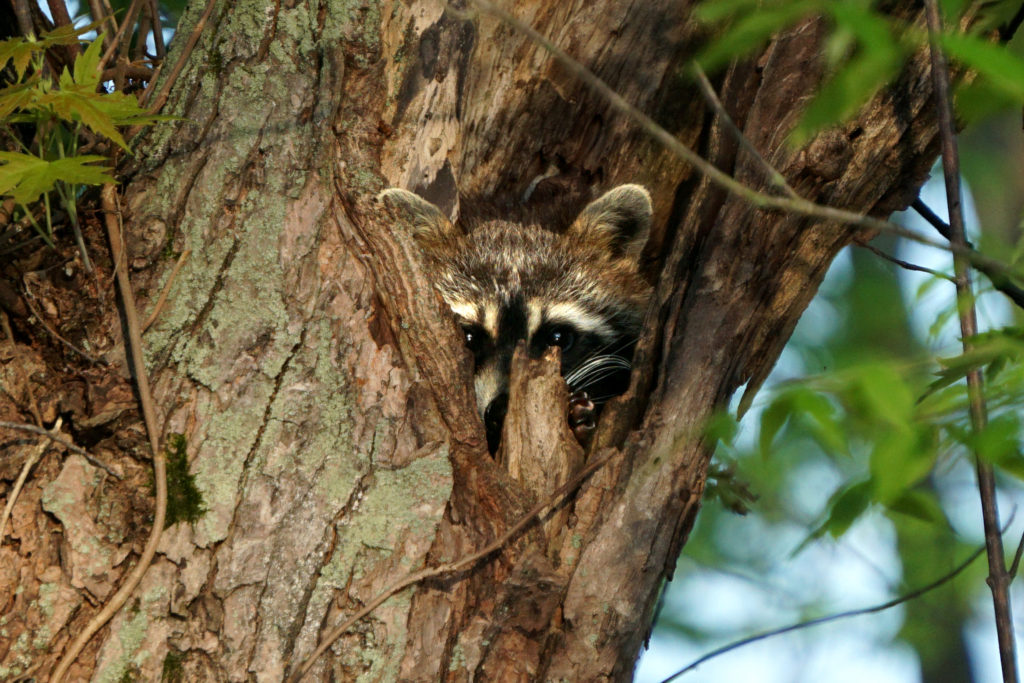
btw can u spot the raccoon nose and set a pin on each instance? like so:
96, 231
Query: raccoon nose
494, 418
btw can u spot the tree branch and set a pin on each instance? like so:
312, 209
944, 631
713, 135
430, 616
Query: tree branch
712, 99
998, 579
12, 495
112, 218
906, 597
52, 435
998, 279
904, 264
799, 206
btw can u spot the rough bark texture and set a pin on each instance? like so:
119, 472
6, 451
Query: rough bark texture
324, 395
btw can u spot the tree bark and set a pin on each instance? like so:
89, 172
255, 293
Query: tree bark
324, 393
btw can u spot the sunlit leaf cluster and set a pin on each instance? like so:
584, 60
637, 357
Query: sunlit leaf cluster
897, 425
42, 121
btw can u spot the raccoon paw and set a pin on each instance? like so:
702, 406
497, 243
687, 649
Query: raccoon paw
582, 416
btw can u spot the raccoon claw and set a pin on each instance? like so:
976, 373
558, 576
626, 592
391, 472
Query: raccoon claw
582, 416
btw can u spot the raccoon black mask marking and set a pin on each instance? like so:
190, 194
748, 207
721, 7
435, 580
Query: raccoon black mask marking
581, 290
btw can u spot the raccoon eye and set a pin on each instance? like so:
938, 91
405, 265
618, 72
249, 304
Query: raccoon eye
561, 336
475, 338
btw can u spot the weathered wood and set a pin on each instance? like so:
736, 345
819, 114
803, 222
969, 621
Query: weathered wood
324, 393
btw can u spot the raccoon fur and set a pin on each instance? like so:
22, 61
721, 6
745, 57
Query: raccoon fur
509, 282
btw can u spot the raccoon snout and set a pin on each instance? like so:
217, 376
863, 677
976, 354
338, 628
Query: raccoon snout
494, 418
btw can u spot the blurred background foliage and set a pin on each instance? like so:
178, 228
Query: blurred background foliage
858, 450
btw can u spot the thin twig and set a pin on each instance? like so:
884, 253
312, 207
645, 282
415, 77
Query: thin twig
143, 29
712, 98
997, 278
998, 579
158, 31
31, 460
906, 597
1016, 559
453, 567
96, 462
904, 264
42, 321
115, 42
193, 38
130, 20
166, 290
799, 206
112, 219
96, 9
925, 212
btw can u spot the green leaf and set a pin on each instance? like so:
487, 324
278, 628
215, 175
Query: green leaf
996, 63
819, 415
882, 393
20, 51
845, 507
999, 441
17, 96
900, 458
994, 347
721, 427
920, 504
87, 71
772, 419
24, 177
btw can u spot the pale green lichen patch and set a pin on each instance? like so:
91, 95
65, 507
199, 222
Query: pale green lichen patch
48, 593
221, 457
131, 635
400, 512
352, 21
458, 659
298, 28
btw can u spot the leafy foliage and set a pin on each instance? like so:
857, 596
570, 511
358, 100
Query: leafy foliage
45, 159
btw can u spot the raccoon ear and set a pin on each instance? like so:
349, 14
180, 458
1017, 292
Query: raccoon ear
620, 220
427, 221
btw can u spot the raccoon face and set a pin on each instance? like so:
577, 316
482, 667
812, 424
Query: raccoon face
506, 283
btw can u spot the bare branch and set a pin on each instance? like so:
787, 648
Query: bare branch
997, 278
53, 436
12, 496
712, 99
1016, 558
904, 264
797, 206
193, 38
998, 579
906, 597
112, 217
166, 290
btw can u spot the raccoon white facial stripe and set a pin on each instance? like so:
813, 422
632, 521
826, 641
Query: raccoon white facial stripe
491, 318
464, 310
534, 316
578, 317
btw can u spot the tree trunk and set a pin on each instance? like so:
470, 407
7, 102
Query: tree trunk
324, 394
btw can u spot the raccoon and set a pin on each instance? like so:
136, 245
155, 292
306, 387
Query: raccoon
506, 282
